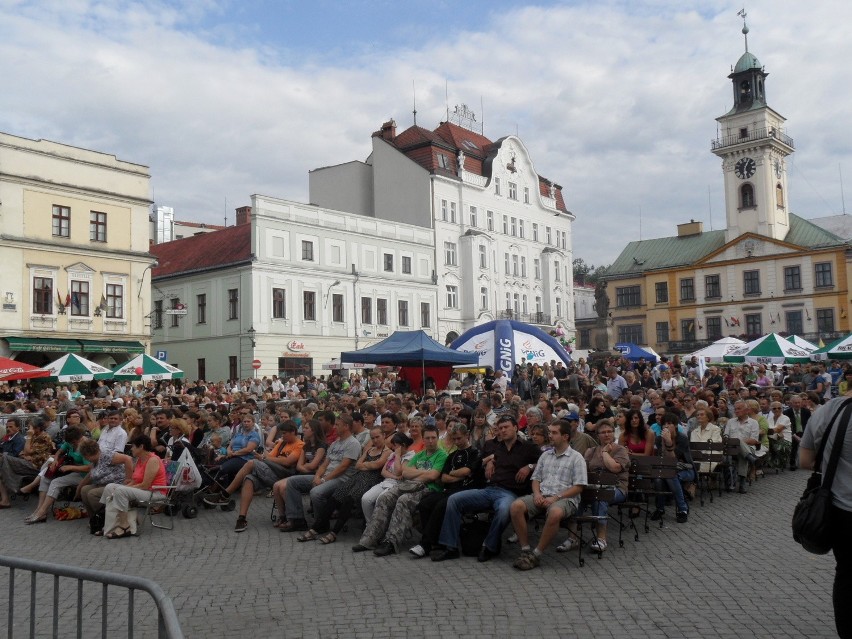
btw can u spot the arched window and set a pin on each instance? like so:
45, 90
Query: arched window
747, 196
779, 196
452, 336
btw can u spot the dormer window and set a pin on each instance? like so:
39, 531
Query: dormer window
443, 161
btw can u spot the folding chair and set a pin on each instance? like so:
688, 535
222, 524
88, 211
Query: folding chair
711, 454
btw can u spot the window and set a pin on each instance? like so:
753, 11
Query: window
233, 303
505, 224
822, 274
526, 195
157, 316
662, 332
453, 212
538, 304
537, 268
557, 269
714, 327
508, 303
366, 310
115, 301
585, 338
307, 251
473, 216
523, 266
792, 278
743, 133
444, 209
687, 289
515, 265
661, 290
43, 295
402, 312
514, 226
825, 320
483, 257
513, 191
753, 324
779, 196
795, 325
483, 297
627, 296
175, 320
443, 162
97, 226
524, 308
631, 333
547, 239
337, 307
381, 311
687, 330
450, 253
233, 372
388, 263
202, 368
406, 265
516, 303
747, 196
452, 296
425, 315
506, 262
279, 303
79, 298
489, 217
751, 282
712, 286
535, 232
61, 221
496, 186
201, 308
558, 307
309, 305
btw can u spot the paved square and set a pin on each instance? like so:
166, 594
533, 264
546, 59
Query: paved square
732, 571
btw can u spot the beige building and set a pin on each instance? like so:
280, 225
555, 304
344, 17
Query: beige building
74, 236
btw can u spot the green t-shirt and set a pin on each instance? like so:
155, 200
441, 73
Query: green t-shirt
433, 461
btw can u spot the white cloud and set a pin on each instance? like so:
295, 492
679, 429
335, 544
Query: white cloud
616, 103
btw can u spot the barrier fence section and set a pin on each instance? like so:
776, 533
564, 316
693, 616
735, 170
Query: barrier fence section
168, 626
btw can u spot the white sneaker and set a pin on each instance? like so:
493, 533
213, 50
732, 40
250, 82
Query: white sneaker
513, 538
567, 545
598, 545
418, 551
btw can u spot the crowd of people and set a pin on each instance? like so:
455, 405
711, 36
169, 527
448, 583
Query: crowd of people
366, 449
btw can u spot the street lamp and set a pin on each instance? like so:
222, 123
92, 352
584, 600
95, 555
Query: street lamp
251, 333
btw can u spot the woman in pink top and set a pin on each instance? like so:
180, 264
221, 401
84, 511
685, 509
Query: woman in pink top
149, 473
637, 437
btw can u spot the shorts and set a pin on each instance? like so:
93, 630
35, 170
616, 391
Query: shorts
568, 506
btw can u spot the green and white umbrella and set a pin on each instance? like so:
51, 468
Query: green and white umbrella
145, 368
72, 368
802, 343
769, 349
840, 349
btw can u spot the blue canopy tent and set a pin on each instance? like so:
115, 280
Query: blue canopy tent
504, 343
634, 353
407, 349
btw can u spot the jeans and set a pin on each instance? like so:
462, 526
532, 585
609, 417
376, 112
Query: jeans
470, 501
303, 484
675, 487
601, 508
842, 593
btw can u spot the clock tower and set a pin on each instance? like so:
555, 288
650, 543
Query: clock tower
753, 148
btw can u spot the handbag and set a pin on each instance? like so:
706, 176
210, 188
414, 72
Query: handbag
812, 516
52, 471
410, 486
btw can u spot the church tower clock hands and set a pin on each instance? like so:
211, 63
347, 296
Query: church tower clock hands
753, 146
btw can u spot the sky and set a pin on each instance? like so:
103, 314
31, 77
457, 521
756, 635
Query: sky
615, 100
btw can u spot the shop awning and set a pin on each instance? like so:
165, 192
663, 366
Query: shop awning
110, 346
44, 344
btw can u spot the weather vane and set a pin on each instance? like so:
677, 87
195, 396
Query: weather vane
742, 13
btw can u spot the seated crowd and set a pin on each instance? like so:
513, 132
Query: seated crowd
516, 447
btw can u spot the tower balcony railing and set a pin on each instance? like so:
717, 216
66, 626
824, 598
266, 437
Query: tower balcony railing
753, 136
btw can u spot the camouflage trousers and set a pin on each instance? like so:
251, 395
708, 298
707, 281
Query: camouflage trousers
392, 519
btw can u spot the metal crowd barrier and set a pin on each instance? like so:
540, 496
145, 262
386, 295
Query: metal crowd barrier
168, 626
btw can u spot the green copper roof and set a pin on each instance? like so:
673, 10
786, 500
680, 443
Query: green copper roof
668, 252
747, 61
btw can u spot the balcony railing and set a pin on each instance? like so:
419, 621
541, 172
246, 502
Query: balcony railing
544, 319
753, 136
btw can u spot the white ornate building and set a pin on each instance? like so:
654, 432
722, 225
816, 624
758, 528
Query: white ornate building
503, 240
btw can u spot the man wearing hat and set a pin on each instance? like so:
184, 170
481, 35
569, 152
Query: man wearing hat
579, 441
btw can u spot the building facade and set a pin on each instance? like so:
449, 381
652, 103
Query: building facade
503, 239
290, 285
769, 270
74, 246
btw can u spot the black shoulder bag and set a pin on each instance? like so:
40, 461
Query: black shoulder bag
812, 516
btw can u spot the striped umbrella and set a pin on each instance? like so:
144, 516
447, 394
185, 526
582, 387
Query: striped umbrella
11, 369
802, 343
73, 368
841, 349
145, 368
769, 349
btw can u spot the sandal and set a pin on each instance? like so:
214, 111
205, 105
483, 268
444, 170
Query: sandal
125, 532
567, 545
98, 533
310, 535
279, 521
328, 538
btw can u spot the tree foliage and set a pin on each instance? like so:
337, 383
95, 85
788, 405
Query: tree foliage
587, 273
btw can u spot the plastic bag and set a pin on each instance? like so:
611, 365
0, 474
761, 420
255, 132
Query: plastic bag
187, 476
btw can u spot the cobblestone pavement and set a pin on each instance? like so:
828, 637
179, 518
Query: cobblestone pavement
731, 571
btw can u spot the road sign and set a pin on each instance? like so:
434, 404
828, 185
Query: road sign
162, 356
255, 364
175, 311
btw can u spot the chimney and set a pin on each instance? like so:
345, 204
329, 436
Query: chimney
243, 215
690, 228
389, 130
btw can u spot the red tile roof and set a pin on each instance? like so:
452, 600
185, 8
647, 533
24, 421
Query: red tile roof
206, 251
201, 225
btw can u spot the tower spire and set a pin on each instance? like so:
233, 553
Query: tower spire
742, 13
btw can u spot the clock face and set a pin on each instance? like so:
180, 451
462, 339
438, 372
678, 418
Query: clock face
745, 168
778, 168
